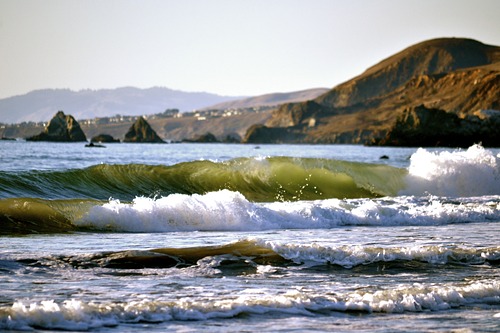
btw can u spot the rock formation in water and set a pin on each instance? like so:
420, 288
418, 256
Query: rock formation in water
61, 128
454, 78
141, 132
104, 138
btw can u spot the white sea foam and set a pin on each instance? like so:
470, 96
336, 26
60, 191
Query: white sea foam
79, 315
473, 172
350, 256
472, 177
230, 211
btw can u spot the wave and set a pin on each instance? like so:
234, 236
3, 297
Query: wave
245, 255
254, 194
259, 179
230, 211
473, 172
263, 259
83, 315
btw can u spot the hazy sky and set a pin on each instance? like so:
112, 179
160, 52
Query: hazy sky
228, 47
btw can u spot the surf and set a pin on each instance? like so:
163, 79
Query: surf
230, 211
258, 179
82, 315
471, 172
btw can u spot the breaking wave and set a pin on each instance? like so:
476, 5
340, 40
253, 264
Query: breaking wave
231, 211
254, 194
258, 179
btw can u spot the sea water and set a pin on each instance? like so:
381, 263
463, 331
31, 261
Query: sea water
228, 237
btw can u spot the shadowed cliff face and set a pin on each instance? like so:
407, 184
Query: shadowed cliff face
459, 76
420, 126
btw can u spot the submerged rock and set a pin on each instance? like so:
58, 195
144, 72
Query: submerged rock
142, 132
61, 128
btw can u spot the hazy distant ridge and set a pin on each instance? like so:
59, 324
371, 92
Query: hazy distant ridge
41, 105
271, 99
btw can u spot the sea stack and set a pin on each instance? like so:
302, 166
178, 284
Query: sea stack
142, 132
61, 128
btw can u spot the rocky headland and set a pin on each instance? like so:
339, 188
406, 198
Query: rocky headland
442, 92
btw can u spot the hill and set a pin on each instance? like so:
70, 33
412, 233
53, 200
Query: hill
454, 75
273, 99
40, 105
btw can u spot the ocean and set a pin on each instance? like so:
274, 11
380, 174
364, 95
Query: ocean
239, 238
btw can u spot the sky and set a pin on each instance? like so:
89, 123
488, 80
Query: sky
227, 47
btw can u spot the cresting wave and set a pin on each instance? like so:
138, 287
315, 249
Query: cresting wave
255, 194
80, 315
231, 211
473, 172
258, 179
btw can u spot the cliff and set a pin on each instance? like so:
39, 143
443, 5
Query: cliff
452, 75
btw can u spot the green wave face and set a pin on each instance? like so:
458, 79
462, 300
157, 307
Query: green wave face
263, 180
39, 216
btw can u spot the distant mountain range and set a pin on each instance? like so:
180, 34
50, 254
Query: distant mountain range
41, 105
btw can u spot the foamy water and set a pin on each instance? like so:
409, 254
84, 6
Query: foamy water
162, 246
230, 211
473, 172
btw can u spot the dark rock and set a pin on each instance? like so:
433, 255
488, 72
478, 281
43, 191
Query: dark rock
61, 128
421, 126
204, 138
94, 145
232, 138
263, 134
142, 132
104, 138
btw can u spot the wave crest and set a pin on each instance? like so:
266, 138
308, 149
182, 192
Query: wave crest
473, 172
80, 315
231, 211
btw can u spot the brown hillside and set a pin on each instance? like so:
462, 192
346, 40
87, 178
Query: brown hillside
460, 76
436, 56
271, 99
